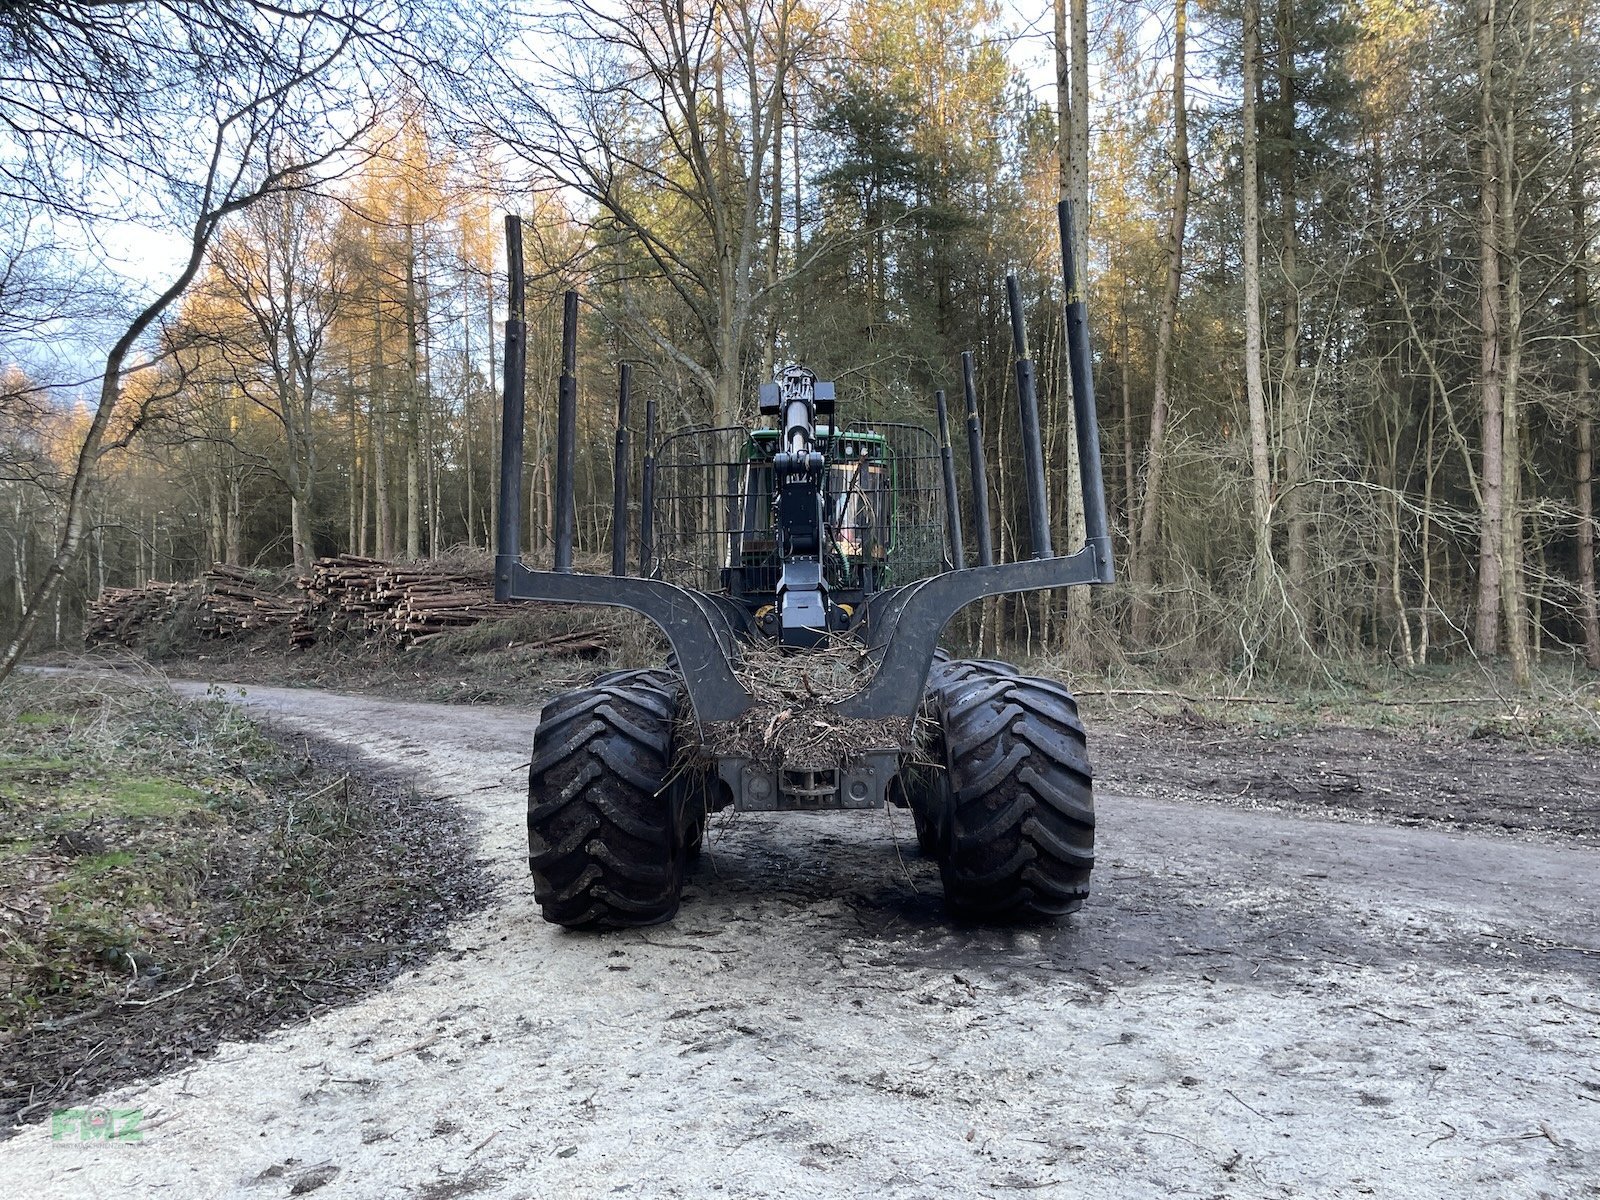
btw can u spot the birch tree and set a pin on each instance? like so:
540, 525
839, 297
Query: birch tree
1255, 389
184, 118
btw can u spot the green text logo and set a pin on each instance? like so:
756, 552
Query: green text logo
96, 1125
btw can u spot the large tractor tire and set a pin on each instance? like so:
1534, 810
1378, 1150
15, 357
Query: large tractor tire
1011, 816
607, 839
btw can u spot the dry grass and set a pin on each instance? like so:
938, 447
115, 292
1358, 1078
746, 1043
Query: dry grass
171, 874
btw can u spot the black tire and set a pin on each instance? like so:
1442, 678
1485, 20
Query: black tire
914, 789
930, 838
1017, 794
694, 822
921, 780
606, 839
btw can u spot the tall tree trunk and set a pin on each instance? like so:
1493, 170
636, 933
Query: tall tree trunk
495, 349
234, 521
1486, 630
769, 346
1425, 533
1513, 599
300, 466
794, 164
1079, 599
469, 377
1078, 175
19, 551
353, 489
1589, 608
378, 438
1072, 105
413, 407
215, 482
300, 533
1293, 423
430, 419
1255, 391
364, 521
725, 400
1150, 506
1130, 497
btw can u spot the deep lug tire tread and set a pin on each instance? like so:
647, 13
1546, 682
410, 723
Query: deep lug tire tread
1018, 793
606, 844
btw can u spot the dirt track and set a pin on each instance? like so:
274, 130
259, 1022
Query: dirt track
1252, 1004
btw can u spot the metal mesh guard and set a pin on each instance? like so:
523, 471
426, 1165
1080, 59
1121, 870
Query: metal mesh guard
700, 510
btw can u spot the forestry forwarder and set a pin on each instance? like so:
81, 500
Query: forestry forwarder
770, 557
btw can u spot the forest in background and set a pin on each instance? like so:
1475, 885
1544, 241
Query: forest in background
1339, 256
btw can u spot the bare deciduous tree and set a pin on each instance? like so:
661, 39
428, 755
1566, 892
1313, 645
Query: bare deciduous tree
181, 117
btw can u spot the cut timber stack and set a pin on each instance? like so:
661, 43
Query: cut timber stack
343, 597
430, 602
410, 603
235, 599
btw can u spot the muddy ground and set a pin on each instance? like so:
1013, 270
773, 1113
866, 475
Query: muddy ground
1254, 1003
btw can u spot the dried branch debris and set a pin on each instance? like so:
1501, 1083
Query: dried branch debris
224, 601
792, 723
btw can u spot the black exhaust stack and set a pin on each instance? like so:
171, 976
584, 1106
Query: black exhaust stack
619, 477
1028, 411
1084, 414
980, 474
952, 498
566, 433
508, 535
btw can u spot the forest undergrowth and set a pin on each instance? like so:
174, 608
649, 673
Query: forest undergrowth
173, 874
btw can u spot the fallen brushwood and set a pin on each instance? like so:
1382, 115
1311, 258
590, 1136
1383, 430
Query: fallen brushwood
224, 601
343, 597
124, 616
792, 723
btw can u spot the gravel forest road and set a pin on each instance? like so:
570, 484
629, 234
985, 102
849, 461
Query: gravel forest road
1252, 1004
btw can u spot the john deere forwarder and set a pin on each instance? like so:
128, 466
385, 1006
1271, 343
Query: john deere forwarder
765, 554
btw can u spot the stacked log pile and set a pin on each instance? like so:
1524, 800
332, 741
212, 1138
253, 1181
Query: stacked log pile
233, 600
409, 603
224, 601
344, 597
428, 603
341, 599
